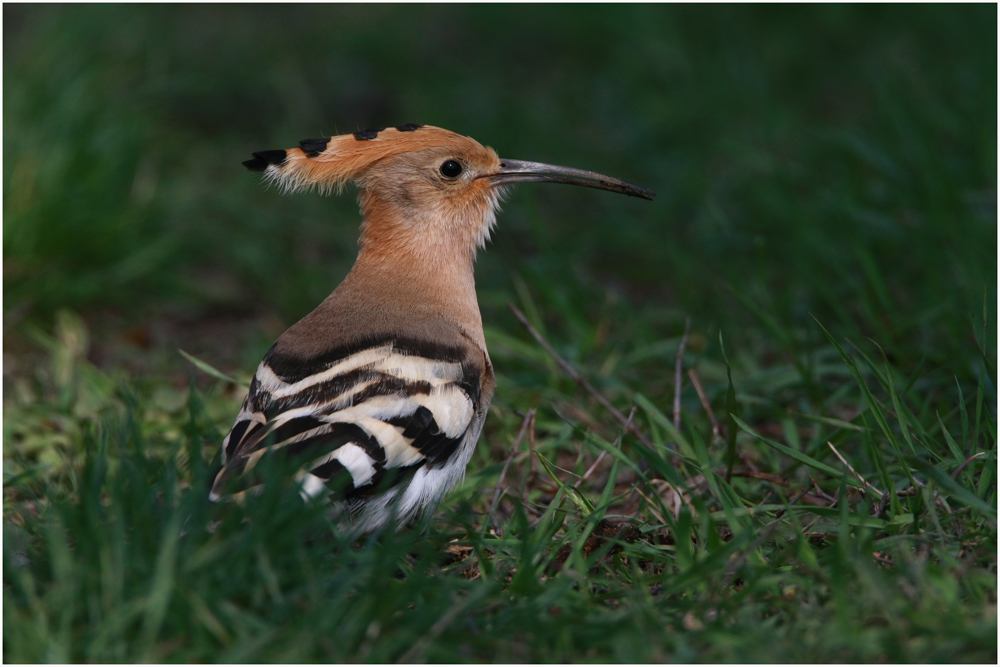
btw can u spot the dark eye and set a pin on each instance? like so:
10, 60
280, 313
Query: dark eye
451, 169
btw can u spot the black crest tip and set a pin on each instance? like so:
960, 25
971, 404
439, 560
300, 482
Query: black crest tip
367, 135
273, 157
256, 164
264, 158
313, 147
408, 127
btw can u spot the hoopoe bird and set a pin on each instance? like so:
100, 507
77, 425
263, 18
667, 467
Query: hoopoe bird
378, 396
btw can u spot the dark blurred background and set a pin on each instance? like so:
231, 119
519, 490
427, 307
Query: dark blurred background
834, 160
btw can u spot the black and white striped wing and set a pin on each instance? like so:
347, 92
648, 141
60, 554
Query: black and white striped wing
393, 417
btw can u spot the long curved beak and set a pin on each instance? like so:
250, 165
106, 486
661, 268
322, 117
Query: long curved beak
518, 171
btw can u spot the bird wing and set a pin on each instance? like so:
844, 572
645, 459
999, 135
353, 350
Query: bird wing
356, 419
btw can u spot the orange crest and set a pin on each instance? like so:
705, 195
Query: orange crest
328, 163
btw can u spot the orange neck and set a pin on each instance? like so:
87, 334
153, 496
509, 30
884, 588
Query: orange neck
417, 276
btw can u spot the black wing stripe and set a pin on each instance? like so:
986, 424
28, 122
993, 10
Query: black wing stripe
236, 436
392, 386
338, 478
292, 369
263, 438
470, 383
414, 423
427, 436
378, 384
330, 469
367, 442
324, 391
292, 428
436, 446
339, 434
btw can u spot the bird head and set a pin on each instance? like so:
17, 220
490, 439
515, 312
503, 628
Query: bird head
421, 187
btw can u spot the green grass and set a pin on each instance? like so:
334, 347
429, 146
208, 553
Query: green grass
826, 210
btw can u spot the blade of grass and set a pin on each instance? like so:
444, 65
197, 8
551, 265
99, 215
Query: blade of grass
954, 488
869, 399
161, 589
873, 405
208, 369
609, 488
728, 505
730, 414
952, 445
979, 409
831, 421
871, 364
795, 454
896, 402
989, 469
570, 490
964, 420
667, 425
